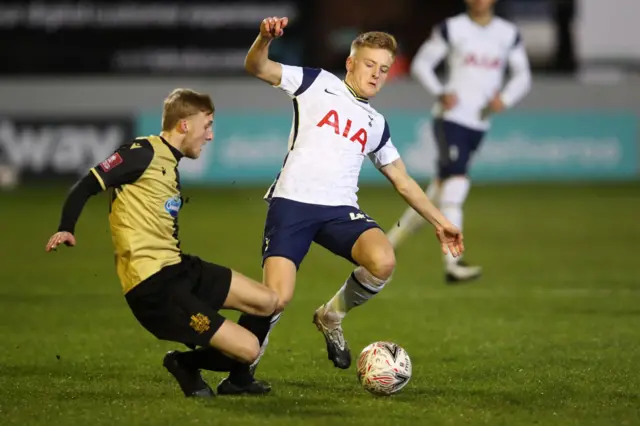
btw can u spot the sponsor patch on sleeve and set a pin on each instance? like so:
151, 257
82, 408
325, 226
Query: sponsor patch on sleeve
111, 162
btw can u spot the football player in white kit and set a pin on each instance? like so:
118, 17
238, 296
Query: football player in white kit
313, 198
477, 46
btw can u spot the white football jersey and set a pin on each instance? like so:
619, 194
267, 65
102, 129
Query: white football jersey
333, 131
477, 57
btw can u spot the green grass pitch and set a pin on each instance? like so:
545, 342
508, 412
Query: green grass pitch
549, 336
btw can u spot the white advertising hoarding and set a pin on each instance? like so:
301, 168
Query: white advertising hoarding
608, 31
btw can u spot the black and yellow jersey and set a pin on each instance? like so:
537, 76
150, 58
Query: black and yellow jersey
145, 198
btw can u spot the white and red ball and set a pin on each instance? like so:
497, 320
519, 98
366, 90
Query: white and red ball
384, 368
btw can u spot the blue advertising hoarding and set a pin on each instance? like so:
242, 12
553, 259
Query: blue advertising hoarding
249, 147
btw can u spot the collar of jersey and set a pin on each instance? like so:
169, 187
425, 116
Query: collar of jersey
353, 93
176, 153
485, 26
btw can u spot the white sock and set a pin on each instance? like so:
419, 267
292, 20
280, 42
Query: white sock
452, 196
411, 221
274, 321
433, 192
359, 287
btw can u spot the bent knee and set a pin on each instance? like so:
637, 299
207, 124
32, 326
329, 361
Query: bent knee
281, 304
269, 303
249, 350
282, 299
383, 264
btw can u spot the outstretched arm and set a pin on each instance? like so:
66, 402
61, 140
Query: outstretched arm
73, 205
257, 62
450, 237
387, 159
293, 80
80, 193
124, 166
409, 189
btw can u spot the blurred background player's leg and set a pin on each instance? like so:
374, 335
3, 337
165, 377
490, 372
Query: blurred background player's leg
453, 195
411, 222
456, 144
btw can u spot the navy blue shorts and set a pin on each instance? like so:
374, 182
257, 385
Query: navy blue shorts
456, 144
292, 226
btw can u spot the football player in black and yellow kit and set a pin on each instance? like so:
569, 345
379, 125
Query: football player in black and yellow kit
173, 295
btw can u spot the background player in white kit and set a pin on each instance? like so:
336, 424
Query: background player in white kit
314, 196
478, 46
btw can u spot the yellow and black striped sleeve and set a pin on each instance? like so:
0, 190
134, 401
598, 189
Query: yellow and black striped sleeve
125, 165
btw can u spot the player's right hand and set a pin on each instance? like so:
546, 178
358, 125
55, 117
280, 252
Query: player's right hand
273, 27
59, 238
448, 101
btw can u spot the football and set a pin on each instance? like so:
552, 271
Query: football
384, 368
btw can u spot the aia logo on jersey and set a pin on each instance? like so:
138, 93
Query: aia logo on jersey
482, 61
111, 162
332, 119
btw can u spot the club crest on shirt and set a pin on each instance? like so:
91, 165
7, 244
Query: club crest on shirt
480, 61
111, 162
173, 205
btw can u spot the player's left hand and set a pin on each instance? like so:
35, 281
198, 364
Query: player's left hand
58, 238
451, 239
493, 107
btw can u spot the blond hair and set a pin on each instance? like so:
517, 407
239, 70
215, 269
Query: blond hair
375, 40
183, 103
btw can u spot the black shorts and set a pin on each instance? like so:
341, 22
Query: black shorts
180, 303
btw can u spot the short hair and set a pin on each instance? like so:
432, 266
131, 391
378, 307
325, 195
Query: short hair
183, 103
375, 40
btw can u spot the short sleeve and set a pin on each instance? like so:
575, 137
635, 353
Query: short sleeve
385, 156
517, 40
296, 80
440, 33
125, 165
386, 152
